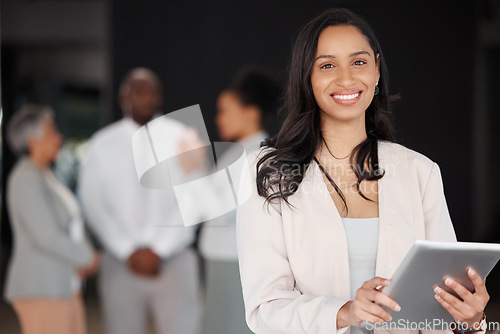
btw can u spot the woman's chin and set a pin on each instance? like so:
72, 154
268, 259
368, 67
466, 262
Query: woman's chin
345, 116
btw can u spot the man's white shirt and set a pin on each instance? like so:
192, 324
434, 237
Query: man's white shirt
123, 214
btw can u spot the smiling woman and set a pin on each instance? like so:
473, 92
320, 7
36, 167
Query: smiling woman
344, 202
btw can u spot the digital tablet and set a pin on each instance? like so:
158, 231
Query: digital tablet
425, 266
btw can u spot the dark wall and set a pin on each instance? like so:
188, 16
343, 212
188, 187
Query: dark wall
429, 48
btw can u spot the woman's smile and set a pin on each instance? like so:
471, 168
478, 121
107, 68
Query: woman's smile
347, 97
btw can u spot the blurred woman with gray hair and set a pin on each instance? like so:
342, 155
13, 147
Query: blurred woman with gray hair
50, 255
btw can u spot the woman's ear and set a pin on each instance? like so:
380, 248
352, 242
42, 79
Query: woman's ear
30, 144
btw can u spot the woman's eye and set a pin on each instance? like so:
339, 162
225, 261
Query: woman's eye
327, 66
359, 62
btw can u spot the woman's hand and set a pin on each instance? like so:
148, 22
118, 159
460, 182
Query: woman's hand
469, 310
367, 305
91, 269
192, 152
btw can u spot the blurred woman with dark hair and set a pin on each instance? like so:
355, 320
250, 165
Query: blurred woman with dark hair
336, 204
51, 255
243, 109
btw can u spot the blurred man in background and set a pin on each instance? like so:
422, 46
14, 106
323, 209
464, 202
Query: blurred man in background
146, 269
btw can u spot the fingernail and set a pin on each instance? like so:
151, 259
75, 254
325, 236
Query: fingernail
437, 297
397, 308
472, 272
448, 281
437, 289
390, 318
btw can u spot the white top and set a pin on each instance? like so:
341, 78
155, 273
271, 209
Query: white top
218, 236
362, 242
75, 226
123, 214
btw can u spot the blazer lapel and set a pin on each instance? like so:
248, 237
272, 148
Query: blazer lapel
332, 229
396, 234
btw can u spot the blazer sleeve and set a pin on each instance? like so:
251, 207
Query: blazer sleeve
438, 225
32, 209
272, 303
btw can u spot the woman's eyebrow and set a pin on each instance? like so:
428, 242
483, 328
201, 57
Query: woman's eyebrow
351, 55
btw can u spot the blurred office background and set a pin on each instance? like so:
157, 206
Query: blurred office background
442, 57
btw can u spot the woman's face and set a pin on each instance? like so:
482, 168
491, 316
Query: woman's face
48, 144
231, 116
344, 73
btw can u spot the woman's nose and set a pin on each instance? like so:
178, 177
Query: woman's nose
345, 77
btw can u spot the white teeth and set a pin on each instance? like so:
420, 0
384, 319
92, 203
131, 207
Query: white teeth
346, 97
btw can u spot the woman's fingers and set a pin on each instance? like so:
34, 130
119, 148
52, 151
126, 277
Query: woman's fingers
473, 304
476, 300
363, 308
371, 318
377, 311
376, 282
367, 305
462, 310
479, 284
383, 299
371, 300
375, 295
364, 312
462, 291
451, 310
448, 298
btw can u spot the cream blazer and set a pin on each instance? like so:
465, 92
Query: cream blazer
294, 262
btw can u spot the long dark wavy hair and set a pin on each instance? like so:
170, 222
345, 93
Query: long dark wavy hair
281, 169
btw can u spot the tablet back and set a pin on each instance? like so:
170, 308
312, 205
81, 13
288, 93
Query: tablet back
424, 267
